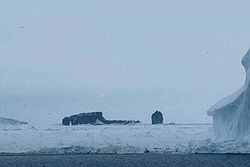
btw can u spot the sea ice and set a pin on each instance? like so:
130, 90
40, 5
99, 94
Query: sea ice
91, 139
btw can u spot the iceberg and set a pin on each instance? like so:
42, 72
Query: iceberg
7, 121
231, 115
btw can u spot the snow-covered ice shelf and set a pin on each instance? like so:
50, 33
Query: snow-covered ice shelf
118, 139
100, 139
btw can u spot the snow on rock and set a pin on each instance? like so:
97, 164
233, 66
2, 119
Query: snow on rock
7, 121
231, 116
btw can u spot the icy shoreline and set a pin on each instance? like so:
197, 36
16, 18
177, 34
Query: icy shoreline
98, 139
116, 139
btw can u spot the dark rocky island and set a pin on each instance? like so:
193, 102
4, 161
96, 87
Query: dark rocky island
94, 118
157, 118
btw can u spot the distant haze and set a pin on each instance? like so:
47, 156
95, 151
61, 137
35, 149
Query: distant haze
125, 58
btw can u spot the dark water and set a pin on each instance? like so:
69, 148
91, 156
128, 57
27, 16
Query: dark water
129, 160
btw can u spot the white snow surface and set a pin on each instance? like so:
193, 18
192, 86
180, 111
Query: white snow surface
100, 138
118, 139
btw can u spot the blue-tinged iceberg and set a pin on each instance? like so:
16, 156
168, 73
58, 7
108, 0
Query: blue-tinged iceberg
231, 116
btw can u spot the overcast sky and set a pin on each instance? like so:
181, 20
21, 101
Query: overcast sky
122, 44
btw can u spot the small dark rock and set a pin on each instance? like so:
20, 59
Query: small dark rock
146, 150
157, 118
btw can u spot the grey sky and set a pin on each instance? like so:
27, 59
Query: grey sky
54, 45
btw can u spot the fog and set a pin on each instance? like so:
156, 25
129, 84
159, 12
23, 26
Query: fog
126, 59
